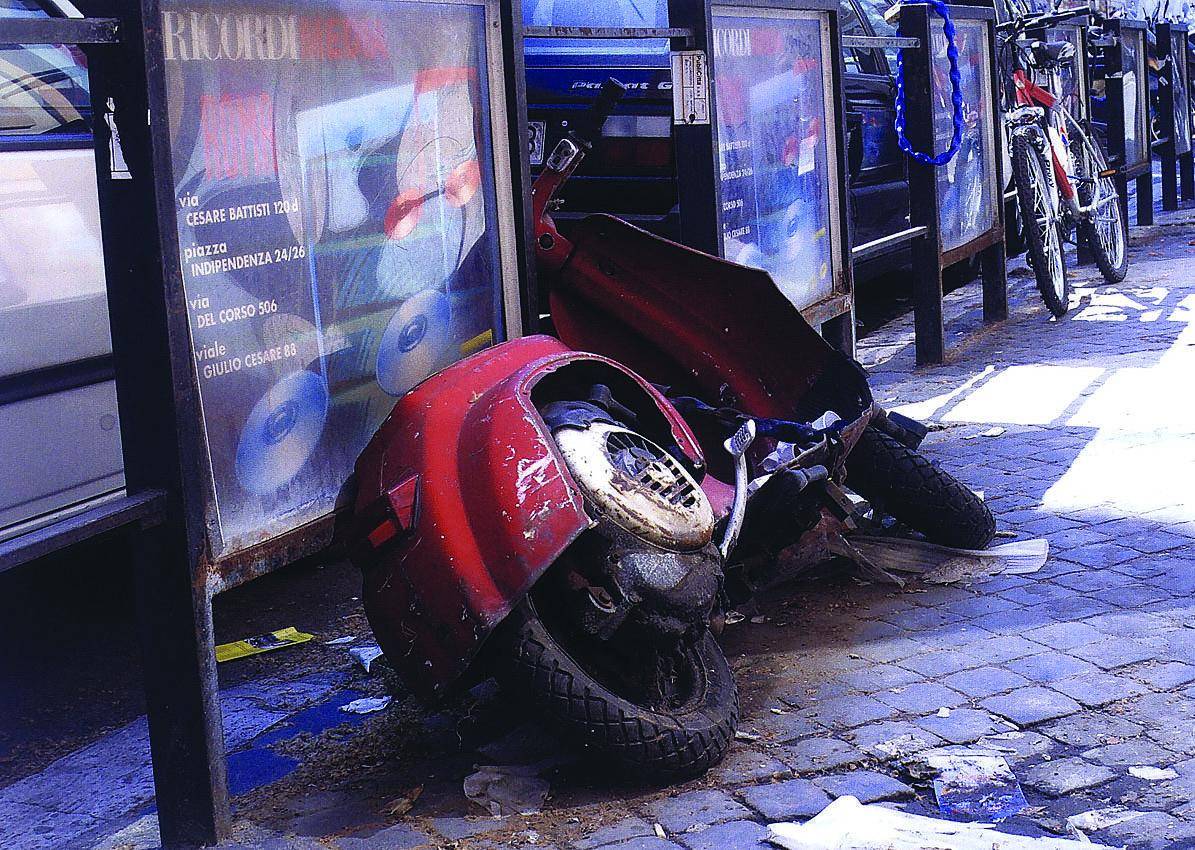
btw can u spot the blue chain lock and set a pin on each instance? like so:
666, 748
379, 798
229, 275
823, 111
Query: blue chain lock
956, 95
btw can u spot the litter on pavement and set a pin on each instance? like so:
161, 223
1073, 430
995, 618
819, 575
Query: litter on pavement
942, 565
973, 786
290, 636
846, 824
365, 655
1096, 819
366, 705
1153, 774
507, 789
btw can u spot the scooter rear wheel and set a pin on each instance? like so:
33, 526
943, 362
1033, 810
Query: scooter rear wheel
656, 743
900, 481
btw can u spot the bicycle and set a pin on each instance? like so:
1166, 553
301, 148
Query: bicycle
1061, 177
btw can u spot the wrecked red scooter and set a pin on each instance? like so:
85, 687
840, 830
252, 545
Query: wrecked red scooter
730, 349
535, 513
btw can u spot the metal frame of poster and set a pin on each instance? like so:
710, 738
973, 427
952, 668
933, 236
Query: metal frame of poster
1131, 163
167, 513
931, 253
703, 204
1174, 104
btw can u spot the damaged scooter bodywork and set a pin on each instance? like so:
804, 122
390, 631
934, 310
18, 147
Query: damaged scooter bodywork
464, 498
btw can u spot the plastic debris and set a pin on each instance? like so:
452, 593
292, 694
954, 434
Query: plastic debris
943, 712
846, 824
659, 830
973, 785
1084, 822
340, 641
290, 636
943, 565
992, 432
399, 806
507, 789
366, 705
1153, 774
366, 655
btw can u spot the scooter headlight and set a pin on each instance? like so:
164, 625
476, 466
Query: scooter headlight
637, 485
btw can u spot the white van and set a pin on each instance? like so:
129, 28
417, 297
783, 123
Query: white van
59, 432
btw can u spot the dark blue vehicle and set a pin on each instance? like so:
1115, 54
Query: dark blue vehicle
631, 172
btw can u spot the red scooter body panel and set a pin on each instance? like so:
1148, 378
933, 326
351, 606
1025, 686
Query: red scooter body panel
683, 318
495, 505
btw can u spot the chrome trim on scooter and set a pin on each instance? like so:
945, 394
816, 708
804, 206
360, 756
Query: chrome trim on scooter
737, 446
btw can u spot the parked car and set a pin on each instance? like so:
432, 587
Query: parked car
59, 432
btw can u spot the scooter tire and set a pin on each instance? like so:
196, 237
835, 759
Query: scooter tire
655, 746
901, 482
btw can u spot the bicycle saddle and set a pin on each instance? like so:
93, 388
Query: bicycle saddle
1052, 52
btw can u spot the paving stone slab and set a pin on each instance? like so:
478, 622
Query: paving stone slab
985, 681
962, 725
1096, 690
737, 834
1046, 667
744, 765
1026, 706
820, 754
398, 837
893, 739
1065, 776
847, 711
921, 698
1164, 675
794, 798
867, 785
676, 814
1151, 831
622, 830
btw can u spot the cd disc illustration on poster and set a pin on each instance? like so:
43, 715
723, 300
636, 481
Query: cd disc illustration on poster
337, 225
773, 117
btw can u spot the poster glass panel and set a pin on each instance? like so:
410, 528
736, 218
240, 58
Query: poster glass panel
1182, 91
1136, 133
774, 131
967, 185
338, 230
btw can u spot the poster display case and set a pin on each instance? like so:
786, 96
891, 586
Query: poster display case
775, 130
1073, 77
968, 186
1129, 119
343, 229
1174, 112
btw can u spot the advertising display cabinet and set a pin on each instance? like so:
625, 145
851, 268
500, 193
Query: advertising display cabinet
1126, 85
776, 133
959, 202
1174, 107
327, 204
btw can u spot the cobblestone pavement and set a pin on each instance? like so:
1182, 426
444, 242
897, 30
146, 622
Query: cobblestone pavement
1080, 431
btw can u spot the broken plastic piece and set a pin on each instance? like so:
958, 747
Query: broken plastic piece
507, 789
366, 705
846, 824
366, 655
290, 636
1153, 774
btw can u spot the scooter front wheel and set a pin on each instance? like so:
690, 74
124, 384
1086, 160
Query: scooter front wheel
659, 740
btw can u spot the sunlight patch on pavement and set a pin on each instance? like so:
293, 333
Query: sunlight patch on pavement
1025, 395
924, 410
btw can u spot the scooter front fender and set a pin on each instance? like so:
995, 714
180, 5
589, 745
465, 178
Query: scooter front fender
494, 507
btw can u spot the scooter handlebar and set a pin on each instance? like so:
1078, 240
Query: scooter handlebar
590, 127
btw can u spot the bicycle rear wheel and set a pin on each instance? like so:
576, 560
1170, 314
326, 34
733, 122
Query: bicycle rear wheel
1038, 202
1104, 229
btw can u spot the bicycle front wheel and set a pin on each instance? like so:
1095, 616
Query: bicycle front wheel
1103, 229
1038, 202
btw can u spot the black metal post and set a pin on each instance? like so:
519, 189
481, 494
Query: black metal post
1167, 119
929, 328
158, 411
1186, 177
693, 142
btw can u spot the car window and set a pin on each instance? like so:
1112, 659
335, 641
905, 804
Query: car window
874, 10
43, 88
596, 13
856, 60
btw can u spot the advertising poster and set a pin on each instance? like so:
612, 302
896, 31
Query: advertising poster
337, 226
1182, 92
774, 117
967, 185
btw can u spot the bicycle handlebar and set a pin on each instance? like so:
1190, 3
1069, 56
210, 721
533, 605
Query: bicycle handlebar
1044, 21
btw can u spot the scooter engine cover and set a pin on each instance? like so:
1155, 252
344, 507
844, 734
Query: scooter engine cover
637, 485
